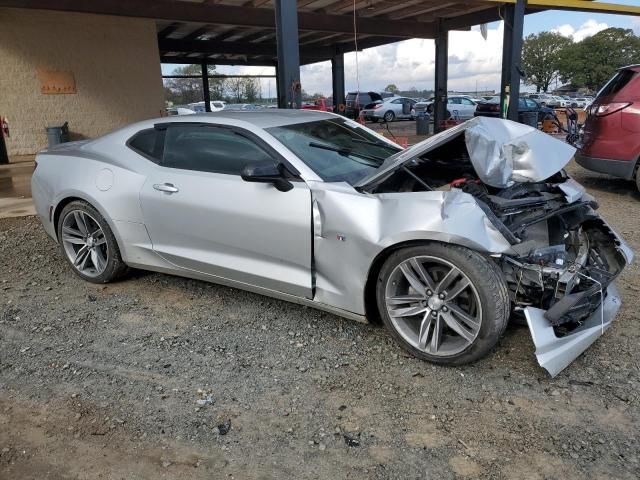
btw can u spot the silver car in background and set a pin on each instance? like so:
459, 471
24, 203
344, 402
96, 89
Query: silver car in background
459, 107
390, 109
444, 241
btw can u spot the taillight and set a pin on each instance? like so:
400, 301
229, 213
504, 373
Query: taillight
605, 109
494, 108
379, 105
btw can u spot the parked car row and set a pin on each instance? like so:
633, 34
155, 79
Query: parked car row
560, 101
491, 108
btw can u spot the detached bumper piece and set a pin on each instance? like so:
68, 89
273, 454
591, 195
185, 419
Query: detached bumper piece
555, 353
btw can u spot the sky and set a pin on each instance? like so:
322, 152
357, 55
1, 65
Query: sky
474, 63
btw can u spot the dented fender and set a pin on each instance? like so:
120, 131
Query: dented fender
351, 229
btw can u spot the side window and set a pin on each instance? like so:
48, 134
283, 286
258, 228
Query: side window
531, 103
398, 101
207, 148
466, 101
148, 143
455, 101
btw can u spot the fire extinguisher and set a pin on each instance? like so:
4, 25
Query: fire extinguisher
4, 123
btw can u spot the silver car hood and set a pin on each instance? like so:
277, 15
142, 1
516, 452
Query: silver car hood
502, 152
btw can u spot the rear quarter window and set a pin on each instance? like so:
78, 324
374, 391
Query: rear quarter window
617, 83
148, 143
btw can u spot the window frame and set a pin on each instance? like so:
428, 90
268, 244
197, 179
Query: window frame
292, 173
151, 158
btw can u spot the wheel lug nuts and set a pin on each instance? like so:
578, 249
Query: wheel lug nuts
434, 313
444, 309
441, 296
429, 292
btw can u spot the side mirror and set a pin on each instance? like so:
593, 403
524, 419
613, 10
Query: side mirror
267, 173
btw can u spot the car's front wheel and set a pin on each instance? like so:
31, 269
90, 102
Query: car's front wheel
88, 243
443, 303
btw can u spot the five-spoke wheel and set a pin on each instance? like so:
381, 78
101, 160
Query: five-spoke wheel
84, 243
88, 243
443, 303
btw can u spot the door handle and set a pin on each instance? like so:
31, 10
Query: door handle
166, 187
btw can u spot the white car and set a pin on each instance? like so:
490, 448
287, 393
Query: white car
216, 106
390, 109
459, 107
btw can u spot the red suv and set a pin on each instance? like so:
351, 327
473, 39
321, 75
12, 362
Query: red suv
611, 140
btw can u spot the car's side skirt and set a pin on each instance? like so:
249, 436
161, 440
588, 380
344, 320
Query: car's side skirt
254, 289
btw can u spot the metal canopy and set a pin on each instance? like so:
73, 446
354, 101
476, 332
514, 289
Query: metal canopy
243, 32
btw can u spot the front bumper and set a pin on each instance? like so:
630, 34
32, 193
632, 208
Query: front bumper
617, 168
554, 353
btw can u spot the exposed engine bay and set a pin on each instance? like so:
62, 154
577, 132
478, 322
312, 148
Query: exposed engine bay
564, 255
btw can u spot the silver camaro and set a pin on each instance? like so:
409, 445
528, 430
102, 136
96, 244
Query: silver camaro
444, 241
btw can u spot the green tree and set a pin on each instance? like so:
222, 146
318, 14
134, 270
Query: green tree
591, 62
392, 88
181, 91
542, 57
251, 89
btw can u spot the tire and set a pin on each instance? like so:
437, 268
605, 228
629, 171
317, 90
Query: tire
485, 300
88, 244
389, 116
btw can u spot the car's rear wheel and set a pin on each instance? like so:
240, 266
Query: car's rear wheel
443, 303
389, 116
88, 243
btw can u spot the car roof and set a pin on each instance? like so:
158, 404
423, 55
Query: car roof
273, 117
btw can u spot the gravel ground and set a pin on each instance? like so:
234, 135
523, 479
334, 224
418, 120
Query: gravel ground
163, 377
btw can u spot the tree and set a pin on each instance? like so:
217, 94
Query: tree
392, 88
182, 91
542, 57
251, 89
235, 87
593, 61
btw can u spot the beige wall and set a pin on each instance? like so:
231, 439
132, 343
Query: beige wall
114, 60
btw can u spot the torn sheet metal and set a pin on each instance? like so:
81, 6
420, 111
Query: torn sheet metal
502, 152
555, 353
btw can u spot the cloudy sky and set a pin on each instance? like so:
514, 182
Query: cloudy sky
474, 63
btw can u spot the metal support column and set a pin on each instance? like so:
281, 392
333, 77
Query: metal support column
511, 58
289, 89
206, 93
442, 63
337, 79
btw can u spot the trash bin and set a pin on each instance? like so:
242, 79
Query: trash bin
422, 124
529, 118
58, 134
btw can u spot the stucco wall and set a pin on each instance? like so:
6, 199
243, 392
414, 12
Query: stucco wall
114, 61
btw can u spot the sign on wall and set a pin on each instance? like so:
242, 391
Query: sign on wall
55, 82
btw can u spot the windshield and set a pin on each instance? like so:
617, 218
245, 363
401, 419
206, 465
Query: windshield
337, 150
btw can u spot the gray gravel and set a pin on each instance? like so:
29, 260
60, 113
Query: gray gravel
163, 377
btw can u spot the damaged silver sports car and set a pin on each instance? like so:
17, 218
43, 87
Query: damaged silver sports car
444, 241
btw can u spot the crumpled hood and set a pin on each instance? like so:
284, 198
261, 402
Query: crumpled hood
502, 152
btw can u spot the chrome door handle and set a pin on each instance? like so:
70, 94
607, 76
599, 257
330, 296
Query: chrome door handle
166, 187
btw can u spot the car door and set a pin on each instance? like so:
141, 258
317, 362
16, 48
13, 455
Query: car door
201, 216
467, 108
